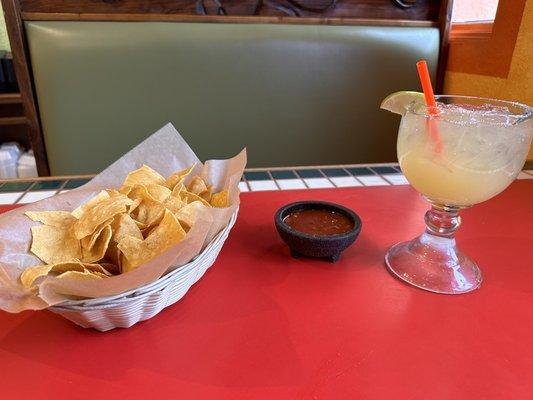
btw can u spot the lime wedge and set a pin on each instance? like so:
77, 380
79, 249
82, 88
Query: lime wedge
398, 102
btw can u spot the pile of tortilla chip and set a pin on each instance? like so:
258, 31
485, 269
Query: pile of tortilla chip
118, 230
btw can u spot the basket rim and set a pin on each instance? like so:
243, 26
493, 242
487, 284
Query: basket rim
149, 288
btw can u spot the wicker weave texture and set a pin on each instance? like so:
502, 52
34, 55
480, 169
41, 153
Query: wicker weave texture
126, 309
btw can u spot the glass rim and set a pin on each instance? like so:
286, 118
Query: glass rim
526, 111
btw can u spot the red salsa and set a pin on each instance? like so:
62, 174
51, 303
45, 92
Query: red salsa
319, 222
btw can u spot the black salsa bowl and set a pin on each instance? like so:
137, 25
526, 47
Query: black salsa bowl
322, 246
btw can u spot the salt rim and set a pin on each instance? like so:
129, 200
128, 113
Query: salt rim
481, 111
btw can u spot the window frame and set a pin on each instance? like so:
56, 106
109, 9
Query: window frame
487, 48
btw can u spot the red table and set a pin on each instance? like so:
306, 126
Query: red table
261, 325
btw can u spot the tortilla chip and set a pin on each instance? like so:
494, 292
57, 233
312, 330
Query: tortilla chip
139, 192
61, 267
101, 212
197, 185
51, 218
158, 193
134, 205
220, 199
173, 204
97, 268
176, 192
154, 193
112, 269
113, 254
103, 195
149, 214
131, 249
149, 211
99, 274
188, 214
144, 176
178, 177
124, 225
98, 250
206, 195
88, 241
54, 244
114, 192
79, 275
140, 225
180, 182
190, 197
125, 190
29, 275
166, 234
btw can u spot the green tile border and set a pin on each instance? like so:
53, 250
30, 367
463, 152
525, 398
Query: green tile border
58, 184
47, 185
75, 183
19, 186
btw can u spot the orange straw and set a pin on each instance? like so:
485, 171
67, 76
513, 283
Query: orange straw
425, 81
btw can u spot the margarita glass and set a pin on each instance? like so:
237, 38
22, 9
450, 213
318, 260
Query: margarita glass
466, 153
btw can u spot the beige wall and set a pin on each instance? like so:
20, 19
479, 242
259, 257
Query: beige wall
517, 86
4, 43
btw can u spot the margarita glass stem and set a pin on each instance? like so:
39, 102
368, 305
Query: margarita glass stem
437, 243
442, 221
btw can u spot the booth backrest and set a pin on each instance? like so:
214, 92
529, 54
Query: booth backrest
292, 94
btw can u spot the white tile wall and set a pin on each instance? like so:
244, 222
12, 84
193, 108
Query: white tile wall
258, 186
318, 183
9, 198
290, 184
396, 179
345, 181
243, 187
30, 197
372, 180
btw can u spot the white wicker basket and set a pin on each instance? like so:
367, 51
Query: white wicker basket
126, 309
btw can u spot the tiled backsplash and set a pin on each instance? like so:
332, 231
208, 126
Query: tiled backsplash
253, 180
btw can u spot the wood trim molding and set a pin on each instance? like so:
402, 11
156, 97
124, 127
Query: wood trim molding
10, 98
468, 31
21, 63
445, 20
32, 16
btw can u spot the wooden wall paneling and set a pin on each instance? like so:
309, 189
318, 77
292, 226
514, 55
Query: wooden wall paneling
37, 16
21, 62
421, 10
445, 23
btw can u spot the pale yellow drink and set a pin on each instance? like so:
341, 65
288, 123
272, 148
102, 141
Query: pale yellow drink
479, 157
465, 152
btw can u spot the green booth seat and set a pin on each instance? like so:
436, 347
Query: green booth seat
291, 94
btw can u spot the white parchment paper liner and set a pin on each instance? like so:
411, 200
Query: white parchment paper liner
166, 152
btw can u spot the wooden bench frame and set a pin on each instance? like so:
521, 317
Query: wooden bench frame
427, 13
